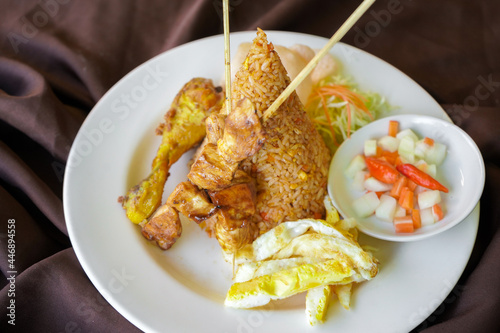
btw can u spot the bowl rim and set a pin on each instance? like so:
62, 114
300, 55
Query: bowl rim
416, 118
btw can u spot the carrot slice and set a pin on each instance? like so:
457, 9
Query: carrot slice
398, 161
398, 186
411, 185
406, 199
403, 224
429, 141
415, 216
393, 128
437, 212
388, 156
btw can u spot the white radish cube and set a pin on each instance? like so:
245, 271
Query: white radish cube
426, 216
432, 170
406, 149
419, 189
366, 204
422, 165
388, 143
358, 183
357, 164
370, 147
400, 211
421, 149
404, 160
407, 133
428, 199
387, 208
436, 154
375, 185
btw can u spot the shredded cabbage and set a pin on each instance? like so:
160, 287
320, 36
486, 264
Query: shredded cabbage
338, 108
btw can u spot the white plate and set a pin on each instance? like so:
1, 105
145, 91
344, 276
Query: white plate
462, 172
182, 289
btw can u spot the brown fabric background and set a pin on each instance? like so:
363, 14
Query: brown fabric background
58, 57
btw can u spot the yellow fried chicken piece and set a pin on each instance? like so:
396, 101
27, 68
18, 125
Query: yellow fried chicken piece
184, 127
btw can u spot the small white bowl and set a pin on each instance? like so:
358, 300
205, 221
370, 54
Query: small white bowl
462, 172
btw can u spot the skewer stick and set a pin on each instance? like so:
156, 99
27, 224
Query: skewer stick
314, 61
227, 54
227, 72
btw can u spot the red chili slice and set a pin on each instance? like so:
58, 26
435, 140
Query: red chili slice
420, 177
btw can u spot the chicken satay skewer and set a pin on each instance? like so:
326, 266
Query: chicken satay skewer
344, 28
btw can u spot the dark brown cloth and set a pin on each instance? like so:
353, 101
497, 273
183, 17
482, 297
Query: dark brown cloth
58, 58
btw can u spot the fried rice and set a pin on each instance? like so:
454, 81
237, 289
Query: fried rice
291, 168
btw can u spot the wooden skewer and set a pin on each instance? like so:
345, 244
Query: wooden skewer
227, 54
314, 61
227, 72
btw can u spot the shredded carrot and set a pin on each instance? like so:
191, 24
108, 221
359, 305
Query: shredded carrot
344, 93
328, 118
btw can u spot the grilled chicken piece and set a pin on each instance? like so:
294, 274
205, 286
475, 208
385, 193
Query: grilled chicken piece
211, 171
236, 202
215, 127
243, 134
164, 227
233, 239
184, 127
191, 202
241, 177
